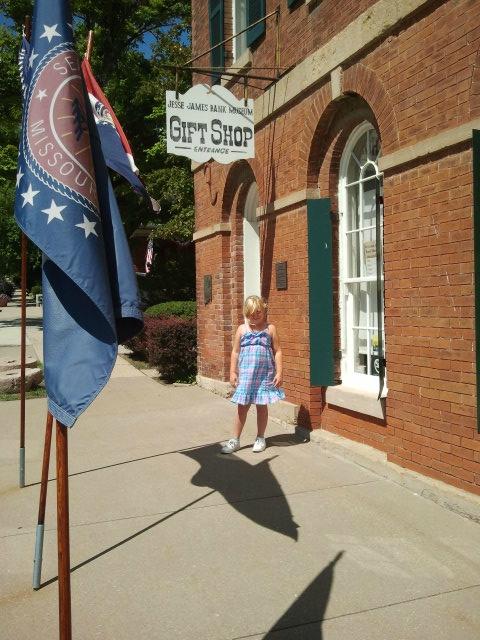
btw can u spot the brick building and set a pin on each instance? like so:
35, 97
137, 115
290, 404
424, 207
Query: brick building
355, 219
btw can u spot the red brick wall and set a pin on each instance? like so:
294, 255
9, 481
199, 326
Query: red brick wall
420, 80
430, 318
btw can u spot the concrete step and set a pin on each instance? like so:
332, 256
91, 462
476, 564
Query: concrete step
10, 380
12, 364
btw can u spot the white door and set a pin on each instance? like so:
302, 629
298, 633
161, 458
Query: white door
251, 244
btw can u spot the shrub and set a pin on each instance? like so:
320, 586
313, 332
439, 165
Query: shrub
36, 290
172, 347
178, 308
138, 344
6, 287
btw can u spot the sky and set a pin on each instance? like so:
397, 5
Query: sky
145, 46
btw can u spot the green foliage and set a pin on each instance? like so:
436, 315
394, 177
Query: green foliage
172, 348
134, 81
178, 308
169, 344
36, 290
172, 275
10, 116
39, 392
7, 287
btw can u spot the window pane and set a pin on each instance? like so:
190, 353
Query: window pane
373, 311
353, 207
373, 145
360, 149
369, 253
360, 350
353, 171
359, 292
374, 363
369, 197
240, 24
353, 251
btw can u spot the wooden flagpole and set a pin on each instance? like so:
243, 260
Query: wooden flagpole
23, 324
63, 523
88, 52
37, 560
63, 536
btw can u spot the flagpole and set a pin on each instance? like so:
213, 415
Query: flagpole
23, 323
88, 52
63, 535
37, 560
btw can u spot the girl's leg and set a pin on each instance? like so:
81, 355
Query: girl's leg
262, 419
242, 410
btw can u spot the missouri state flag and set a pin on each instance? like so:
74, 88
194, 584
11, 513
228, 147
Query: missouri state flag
115, 146
66, 205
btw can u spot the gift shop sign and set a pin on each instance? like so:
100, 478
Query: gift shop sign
209, 122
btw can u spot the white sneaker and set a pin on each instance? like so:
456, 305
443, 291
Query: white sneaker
259, 445
232, 445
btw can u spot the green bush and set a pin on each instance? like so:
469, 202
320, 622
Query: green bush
172, 347
180, 309
6, 287
36, 290
138, 344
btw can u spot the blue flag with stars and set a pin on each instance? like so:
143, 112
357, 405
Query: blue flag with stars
66, 205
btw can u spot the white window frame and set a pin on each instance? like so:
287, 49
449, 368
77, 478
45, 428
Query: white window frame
251, 244
351, 379
239, 14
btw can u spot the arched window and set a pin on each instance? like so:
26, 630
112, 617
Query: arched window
361, 252
251, 244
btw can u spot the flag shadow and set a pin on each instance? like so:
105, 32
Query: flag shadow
246, 487
114, 464
304, 618
128, 539
246, 490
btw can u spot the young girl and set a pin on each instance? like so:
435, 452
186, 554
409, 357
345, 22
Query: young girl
255, 371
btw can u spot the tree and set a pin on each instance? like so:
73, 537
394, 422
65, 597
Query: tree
10, 114
132, 76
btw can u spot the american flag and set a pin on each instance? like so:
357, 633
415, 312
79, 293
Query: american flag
149, 256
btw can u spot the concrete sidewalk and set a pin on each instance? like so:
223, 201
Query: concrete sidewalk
170, 539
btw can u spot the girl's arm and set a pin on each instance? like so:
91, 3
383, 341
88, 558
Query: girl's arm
277, 352
234, 357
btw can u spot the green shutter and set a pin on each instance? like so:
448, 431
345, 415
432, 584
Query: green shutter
320, 287
476, 252
215, 13
255, 11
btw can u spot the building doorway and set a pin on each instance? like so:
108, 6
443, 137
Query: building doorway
251, 244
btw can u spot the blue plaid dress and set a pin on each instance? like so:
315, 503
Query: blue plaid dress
256, 366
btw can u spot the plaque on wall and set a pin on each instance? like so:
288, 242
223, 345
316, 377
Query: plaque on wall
281, 274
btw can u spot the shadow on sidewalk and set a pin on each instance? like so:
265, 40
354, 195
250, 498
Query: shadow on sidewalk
303, 620
246, 486
245, 489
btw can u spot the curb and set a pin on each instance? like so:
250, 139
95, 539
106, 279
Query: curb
460, 502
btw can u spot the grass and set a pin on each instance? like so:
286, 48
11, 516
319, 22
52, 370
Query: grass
139, 363
39, 392
136, 361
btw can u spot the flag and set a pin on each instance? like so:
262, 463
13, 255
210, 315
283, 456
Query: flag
115, 146
23, 63
66, 205
149, 256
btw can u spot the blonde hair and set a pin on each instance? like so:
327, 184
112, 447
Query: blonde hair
253, 304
